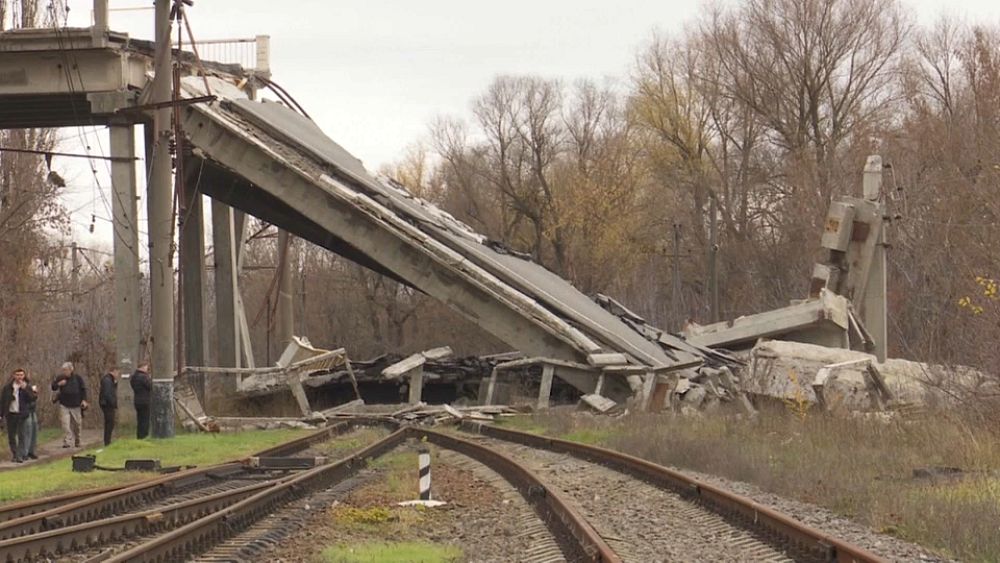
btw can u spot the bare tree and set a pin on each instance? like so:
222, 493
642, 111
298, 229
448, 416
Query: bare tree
813, 70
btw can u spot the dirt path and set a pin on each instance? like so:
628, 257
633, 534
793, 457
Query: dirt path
52, 449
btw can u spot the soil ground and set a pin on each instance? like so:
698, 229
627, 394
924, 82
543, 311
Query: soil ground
479, 519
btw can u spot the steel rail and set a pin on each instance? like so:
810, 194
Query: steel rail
46, 513
813, 544
60, 541
178, 544
573, 532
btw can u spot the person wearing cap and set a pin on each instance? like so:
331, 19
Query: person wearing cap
71, 395
15, 398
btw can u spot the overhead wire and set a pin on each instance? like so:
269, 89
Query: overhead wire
81, 132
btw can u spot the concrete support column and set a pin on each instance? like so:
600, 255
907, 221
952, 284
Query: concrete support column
487, 397
286, 305
416, 384
192, 259
227, 323
244, 347
545, 390
128, 306
160, 202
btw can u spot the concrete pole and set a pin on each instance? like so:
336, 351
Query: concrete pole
74, 276
302, 297
160, 207
286, 303
100, 29
74, 281
128, 308
874, 311
675, 290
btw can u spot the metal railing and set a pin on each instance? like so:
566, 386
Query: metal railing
252, 53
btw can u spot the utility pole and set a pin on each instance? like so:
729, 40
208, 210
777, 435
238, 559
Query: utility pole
302, 297
160, 203
74, 277
675, 291
128, 310
286, 303
873, 308
100, 29
74, 280
713, 254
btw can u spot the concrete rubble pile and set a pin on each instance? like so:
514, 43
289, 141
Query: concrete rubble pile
468, 369
850, 381
422, 413
708, 387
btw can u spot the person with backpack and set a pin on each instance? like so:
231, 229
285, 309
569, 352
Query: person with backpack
71, 396
142, 388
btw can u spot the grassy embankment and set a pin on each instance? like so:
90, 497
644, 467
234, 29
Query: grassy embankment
860, 468
55, 477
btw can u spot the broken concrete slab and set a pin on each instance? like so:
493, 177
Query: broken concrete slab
682, 386
823, 321
404, 366
695, 396
598, 403
346, 407
786, 371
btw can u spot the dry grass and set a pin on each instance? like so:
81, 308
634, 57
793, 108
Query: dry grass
862, 468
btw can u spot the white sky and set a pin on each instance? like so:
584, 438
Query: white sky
374, 73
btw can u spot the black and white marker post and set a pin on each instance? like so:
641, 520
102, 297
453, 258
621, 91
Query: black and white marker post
424, 481
424, 462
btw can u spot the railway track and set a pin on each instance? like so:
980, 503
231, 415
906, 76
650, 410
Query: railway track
55, 508
76, 522
721, 517
577, 503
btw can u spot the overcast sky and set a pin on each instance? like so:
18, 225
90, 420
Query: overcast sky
373, 74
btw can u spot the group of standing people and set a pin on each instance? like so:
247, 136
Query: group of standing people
19, 399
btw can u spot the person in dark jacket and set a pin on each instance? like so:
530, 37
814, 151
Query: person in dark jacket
15, 400
31, 424
72, 399
142, 388
108, 400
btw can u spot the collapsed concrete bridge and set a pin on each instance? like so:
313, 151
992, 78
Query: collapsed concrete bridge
265, 159
269, 161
